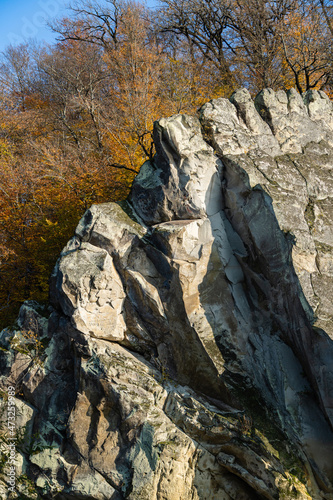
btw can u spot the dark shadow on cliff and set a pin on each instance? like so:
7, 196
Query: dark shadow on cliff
276, 363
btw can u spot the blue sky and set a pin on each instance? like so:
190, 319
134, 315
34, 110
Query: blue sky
24, 19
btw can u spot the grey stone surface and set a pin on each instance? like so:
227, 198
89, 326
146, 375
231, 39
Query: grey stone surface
189, 349
183, 181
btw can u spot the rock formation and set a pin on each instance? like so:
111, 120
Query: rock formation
187, 352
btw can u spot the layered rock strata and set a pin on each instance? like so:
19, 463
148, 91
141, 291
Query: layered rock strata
188, 353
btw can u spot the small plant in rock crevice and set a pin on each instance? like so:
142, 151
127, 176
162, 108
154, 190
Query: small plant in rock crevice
28, 342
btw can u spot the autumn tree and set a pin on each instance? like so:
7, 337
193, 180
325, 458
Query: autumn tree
17, 73
55, 160
119, 31
257, 27
240, 38
150, 74
205, 26
307, 50
256, 43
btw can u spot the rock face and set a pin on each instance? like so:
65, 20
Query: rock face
188, 353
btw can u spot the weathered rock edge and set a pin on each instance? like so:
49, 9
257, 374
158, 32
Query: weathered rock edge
190, 340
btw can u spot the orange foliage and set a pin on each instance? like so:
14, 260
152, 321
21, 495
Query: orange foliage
48, 179
306, 59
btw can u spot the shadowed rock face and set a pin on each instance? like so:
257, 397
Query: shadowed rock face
190, 351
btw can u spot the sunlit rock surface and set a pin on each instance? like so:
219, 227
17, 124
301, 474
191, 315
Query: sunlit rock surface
188, 351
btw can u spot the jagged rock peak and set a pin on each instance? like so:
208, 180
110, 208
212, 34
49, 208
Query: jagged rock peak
190, 351
183, 181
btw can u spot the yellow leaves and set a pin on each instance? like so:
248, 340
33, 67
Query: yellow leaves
41, 213
305, 59
50, 223
5, 149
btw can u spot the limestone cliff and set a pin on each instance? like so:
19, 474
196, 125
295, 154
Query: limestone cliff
188, 349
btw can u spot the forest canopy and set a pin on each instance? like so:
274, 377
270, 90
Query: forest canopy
77, 116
